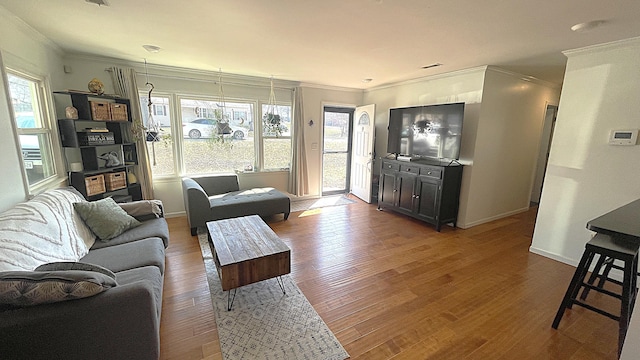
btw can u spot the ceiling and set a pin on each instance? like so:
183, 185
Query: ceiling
334, 42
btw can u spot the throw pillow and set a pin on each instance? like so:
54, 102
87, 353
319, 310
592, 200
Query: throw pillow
142, 208
27, 288
105, 218
70, 265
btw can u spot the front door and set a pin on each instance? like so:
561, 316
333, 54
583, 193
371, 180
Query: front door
363, 139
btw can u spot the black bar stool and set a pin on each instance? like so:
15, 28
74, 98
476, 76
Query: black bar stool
609, 249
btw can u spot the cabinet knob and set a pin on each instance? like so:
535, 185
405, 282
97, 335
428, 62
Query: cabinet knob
417, 196
428, 172
395, 190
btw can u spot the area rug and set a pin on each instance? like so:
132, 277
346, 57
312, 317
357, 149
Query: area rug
325, 201
266, 324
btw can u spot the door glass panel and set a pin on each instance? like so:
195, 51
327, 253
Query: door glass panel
336, 150
334, 176
336, 132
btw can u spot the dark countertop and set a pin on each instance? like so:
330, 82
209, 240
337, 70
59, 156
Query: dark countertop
624, 220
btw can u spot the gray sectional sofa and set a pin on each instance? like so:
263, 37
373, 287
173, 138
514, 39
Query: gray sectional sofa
121, 321
216, 197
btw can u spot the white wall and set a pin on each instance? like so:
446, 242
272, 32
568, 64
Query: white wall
506, 148
586, 177
24, 49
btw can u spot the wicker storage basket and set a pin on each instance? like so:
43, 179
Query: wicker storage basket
100, 111
94, 184
115, 181
118, 112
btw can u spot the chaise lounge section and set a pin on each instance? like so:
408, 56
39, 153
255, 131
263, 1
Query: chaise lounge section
217, 197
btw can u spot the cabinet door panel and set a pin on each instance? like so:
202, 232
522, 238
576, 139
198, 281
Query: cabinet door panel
405, 186
387, 189
427, 201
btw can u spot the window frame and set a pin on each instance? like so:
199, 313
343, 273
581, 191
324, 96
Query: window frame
209, 98
260, 159
53, 151
172, 113
175, 115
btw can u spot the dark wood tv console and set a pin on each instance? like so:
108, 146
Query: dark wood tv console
426, 190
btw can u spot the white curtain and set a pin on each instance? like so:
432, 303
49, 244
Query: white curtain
298, 175
126, 85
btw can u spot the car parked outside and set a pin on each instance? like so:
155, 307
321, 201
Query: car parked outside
30, 148
205, 128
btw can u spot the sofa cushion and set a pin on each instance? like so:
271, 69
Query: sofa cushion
130, 255
149, 228
69, 265
26, 288
105, 218
258, 201
42, 230
148, 274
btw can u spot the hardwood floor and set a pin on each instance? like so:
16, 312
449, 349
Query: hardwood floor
390, 287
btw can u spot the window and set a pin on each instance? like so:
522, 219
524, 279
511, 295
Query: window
33, 126
161, 150
276, 137
159, 110
218, 142
211, 137
206, 112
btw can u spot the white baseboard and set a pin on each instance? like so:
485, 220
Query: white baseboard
554, 256
489, 219
175, 214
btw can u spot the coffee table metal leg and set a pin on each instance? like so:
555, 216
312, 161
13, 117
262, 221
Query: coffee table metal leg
230, 299
281, 283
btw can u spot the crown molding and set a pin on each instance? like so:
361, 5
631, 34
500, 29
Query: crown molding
331, 87
523, 77
183, 73
430, 78
618, 44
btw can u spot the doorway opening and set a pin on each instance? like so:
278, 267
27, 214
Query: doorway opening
545, 148
336, 149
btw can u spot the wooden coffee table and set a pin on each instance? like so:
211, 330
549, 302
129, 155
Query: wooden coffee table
246, 250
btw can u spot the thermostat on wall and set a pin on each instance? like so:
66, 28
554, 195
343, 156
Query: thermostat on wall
623, 137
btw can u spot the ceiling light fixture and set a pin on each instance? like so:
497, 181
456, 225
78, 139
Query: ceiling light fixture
367, 80
431, 65
587, 26
98, 2
152, 48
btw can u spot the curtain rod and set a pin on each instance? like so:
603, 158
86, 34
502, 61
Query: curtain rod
174, 77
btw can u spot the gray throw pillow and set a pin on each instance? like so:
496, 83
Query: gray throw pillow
27, 288
71, 265
105, 218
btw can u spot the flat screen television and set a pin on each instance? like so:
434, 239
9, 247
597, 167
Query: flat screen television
429, 131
